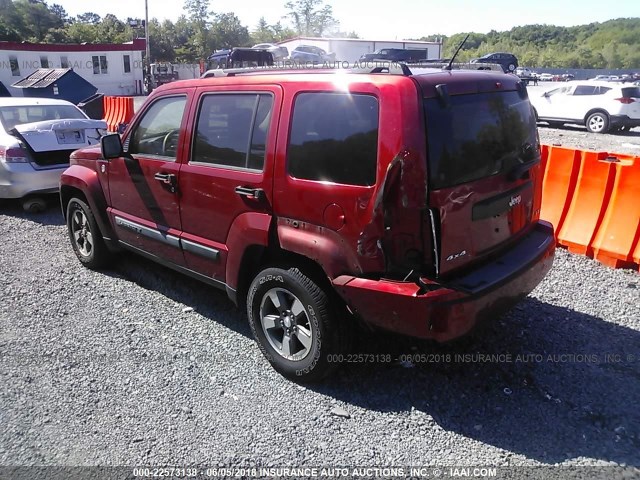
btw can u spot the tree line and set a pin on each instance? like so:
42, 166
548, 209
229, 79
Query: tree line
614, 44
193, 36
200, 31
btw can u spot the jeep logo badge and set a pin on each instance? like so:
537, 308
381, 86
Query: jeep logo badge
515, 201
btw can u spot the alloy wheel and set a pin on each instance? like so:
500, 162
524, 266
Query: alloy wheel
286, 324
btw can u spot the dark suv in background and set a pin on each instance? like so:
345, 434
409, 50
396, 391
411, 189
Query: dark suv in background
240, 58
507, 61
396, 55
407, 202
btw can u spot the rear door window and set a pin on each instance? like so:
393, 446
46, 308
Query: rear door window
478, 135
585, 90
334, 138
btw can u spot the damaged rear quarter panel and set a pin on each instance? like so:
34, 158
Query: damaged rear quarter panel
399, 193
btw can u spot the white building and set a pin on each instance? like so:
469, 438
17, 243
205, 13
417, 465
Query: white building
115, 69
350, 49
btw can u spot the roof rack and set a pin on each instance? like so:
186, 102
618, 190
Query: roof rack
392, 68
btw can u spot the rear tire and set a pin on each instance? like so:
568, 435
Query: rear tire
85, 236
34, 204
598, 122
295, 325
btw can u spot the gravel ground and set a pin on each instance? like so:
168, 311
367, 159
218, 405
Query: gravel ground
140, 366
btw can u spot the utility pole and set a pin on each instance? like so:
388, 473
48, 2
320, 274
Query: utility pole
147, 49
146, 32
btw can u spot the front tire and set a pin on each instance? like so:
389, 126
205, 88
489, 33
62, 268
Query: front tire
85, 236
598, 122
294, 324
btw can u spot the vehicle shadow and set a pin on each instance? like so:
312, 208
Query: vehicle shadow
206, 300
543, 381
52, 215
635, 133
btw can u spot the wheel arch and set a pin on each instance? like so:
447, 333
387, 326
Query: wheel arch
83, 183
595, 110
256, 258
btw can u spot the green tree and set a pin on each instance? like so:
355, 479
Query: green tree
199, 15
228, 32
311, 17
88, 17
263, 32
11, 27
37, 19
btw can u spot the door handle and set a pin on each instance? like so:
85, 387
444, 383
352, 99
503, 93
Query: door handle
168, 179
248, 192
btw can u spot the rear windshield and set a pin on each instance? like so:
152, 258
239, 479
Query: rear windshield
631, 92
478, 135
12, 116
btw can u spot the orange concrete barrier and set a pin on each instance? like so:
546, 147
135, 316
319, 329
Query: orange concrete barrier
560, 177
593, 200
117, 110
618, 235
588, 203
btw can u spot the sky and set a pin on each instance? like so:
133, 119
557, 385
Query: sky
391, 20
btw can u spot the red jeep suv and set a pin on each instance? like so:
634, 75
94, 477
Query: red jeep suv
407, 201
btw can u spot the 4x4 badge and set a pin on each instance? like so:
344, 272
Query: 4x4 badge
456, 255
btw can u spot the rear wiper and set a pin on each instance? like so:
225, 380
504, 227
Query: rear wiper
519, 170
528, 154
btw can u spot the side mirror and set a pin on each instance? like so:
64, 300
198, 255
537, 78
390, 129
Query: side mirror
111, 146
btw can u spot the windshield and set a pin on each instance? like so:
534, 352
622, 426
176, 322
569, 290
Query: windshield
17, 115
477, 136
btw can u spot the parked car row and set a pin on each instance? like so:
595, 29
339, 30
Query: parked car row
302, 53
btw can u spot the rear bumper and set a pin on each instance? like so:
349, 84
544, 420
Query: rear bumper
458, 305
624, 121
21, 179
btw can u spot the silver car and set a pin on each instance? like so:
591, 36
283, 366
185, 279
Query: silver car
36, 139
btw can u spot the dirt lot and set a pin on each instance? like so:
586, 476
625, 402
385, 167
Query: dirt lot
137, 365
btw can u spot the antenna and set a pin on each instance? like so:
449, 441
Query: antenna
448, 67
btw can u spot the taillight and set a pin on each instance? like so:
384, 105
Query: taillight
625, 100
14, 155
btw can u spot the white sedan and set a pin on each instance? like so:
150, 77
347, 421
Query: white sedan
37, 135
600, 106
